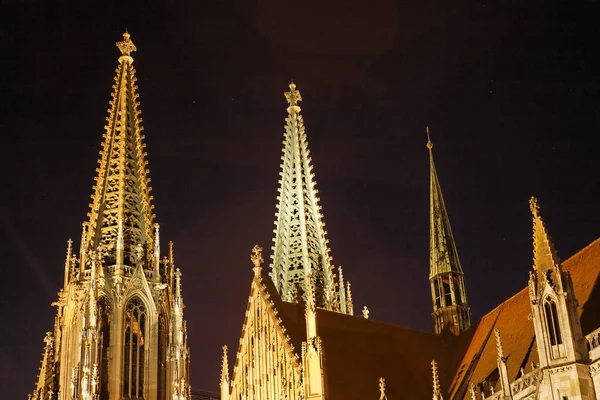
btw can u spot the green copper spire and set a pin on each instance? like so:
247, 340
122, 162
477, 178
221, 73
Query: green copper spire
450, 308
300, 246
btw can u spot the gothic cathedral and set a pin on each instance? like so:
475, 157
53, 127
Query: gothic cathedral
119, 331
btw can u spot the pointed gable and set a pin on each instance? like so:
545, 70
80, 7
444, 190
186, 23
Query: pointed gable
268, 356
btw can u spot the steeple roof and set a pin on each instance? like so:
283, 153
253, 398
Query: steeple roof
121, 203
443, 256
300, 246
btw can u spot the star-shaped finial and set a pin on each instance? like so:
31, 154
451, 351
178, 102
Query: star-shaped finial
293, 96
126, 46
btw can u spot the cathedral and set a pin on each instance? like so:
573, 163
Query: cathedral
119, 332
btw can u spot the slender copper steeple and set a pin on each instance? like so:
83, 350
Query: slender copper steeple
450, 307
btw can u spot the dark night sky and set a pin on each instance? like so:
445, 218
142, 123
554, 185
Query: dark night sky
509, 89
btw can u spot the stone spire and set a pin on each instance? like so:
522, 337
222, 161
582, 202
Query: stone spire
300, 246
342, 292
450, 307
554, 306
122, 191
437, 392
502, 367
382, 395
224, 375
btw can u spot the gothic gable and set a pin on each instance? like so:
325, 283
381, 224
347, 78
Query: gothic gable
267, 361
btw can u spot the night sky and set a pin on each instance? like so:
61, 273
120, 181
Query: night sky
508, 88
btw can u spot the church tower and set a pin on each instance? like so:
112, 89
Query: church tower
119, 331
300, 246
450, 307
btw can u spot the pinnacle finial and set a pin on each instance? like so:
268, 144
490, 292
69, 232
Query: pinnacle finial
293, 96
429, 143
224, 367
365, 312
126, 46
382, 388
257, 259
436, 381
499, 347
534, 207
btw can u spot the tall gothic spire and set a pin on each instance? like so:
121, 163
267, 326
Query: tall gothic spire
120, 212
450, 307
300, 246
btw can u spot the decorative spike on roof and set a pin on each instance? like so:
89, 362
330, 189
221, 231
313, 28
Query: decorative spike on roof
224, 367
544, 252
443, 256
437, 393
300, 246
121, 191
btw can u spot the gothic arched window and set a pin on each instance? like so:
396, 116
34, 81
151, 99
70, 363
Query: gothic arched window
552, 322
134, 355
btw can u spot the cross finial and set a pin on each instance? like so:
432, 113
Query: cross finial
429, 144
534, 206
293, 96
126, 46
257, 259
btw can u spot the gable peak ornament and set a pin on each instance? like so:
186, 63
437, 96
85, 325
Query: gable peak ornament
257, 259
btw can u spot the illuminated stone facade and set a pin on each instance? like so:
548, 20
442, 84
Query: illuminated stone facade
119, 331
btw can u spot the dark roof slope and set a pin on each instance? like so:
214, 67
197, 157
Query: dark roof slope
359, 351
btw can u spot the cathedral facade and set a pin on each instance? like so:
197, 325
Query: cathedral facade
119, 331
302, 340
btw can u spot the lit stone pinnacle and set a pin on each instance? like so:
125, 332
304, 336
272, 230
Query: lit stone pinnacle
300, 245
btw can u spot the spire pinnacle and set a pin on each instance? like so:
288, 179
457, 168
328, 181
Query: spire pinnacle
544, 252
499, 348
126, 46
437, 394
450, 307
382, 395
120, 217
300, 243
224, 367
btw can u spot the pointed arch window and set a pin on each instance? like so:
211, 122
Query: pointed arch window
134, 354
552, 322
